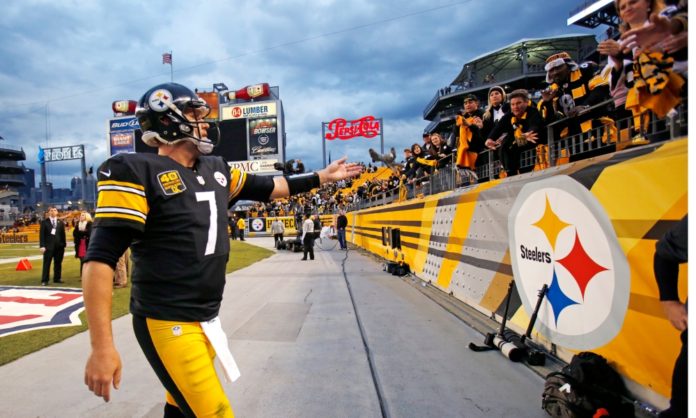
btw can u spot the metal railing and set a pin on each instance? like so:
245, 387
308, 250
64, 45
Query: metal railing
606, 138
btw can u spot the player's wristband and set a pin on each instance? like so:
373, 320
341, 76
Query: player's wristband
300, 183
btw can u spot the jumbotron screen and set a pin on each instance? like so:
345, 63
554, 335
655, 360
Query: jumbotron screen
232, 145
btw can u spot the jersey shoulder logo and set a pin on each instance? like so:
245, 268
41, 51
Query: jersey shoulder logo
220, 178
171, 182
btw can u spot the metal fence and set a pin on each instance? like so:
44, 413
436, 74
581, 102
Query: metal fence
604, 139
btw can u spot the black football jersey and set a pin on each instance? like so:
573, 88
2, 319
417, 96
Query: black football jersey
179, 257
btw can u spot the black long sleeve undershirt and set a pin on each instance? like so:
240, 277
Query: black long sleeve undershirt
107, 244
671, 250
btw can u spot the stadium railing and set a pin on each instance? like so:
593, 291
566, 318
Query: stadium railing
609, 137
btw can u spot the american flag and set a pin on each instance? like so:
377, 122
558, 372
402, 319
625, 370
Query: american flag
167, 58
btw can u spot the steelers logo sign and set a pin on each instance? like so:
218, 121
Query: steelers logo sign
560, 236
258, 224
159, 100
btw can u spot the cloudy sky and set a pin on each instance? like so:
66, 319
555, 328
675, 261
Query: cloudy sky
63, 63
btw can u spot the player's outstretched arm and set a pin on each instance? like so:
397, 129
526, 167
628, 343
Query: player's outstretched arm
337, 170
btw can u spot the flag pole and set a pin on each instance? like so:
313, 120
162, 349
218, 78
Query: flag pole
171, 65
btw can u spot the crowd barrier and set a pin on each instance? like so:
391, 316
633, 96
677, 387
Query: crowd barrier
587, 229
609, 136
261, 226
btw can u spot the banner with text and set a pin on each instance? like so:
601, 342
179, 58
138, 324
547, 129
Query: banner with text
261, 227
255, 166
263, 137
249, 111
73, 152
122, 134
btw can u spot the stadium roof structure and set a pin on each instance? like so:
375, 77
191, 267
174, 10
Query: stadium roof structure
518, 65
10, 171
593, 13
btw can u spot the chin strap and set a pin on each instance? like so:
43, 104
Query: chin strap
205, 147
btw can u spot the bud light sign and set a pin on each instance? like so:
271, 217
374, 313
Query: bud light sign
122, 134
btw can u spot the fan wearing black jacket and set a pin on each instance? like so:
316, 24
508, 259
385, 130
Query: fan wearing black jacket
520, 130
440, 151
671, 251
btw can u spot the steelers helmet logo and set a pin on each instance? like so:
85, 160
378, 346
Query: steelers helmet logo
159, 100
560, 236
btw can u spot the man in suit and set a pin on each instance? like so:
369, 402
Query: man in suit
52, 245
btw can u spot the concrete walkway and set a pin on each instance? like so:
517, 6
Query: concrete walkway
293, 330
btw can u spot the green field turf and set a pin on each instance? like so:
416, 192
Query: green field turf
17, 345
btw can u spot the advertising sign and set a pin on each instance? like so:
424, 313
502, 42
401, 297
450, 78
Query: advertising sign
74, 152
212, 99
263, 137
122, 134
249, 111
254, 166
261, 227
367, 126
257, 225
339, 128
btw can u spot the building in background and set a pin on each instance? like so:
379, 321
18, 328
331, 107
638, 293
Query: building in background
519, 65
11, 180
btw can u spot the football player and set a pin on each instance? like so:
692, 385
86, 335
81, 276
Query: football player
171, 209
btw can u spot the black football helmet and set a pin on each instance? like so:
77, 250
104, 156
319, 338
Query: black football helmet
161, 115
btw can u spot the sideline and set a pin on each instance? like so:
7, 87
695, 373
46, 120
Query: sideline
292, 329
16, 259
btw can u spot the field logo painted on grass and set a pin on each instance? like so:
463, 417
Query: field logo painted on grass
27, 308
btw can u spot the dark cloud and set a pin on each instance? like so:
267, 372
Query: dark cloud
329, 58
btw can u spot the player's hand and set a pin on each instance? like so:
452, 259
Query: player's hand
42, 249
102, 370
338, 170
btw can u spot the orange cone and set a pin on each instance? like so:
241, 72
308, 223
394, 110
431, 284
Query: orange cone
24, 265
